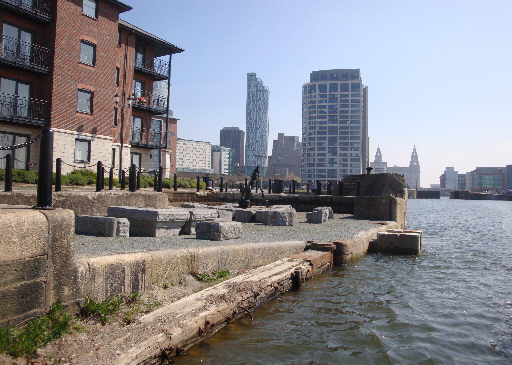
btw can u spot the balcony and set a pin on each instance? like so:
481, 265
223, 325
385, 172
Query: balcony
151, 138
155, 67
156, 104
25, 55
35, 9
20, 110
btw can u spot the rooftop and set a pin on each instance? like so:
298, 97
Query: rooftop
162, 47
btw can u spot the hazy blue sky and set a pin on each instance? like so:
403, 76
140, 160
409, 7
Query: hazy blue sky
439, 73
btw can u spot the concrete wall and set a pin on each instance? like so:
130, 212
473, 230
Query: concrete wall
382, 208
90, 203
36, 261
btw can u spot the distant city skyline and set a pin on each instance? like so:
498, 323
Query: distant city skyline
428, 65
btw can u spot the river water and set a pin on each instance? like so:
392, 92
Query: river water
451, 304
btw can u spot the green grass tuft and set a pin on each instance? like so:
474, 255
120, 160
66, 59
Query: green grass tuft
101, 311
37, 334
207, 277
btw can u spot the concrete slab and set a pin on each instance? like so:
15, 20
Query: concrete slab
218, 231
399, 242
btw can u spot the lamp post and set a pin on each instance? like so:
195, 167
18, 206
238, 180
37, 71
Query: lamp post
121, 137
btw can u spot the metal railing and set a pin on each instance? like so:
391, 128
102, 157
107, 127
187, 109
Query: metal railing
23, 110
156, 104
156, 67
25, 54
39, 9
147, 137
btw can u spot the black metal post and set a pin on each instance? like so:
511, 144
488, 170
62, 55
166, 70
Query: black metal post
318, 187
138, 179
222, 184
155, 181
257, 185
160, 177
132, 178
111, 179
197, 183
340, 188
241, 187
226, 186
8, 173
175, 183
290, 187
58, 174
270, 186
123, 179
99, 173
329, 188
307, 188
245, 184
293, 186
44, 176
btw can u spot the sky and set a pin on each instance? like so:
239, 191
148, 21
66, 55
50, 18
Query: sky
439, 73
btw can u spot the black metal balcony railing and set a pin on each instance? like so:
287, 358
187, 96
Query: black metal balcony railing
23, 110
38, 9
156, 104
147, 137
24, 54
156, 67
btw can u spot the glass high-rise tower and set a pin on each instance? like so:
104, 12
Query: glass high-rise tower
256, 131
334, 125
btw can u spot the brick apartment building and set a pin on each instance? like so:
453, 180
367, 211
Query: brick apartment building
75, 66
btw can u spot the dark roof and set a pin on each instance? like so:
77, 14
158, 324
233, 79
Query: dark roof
161, 47
123, 6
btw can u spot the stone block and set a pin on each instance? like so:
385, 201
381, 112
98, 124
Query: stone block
23, 233
281, 216
317, 216
102, 226
329, 210
224, 215
244, 215
193, 205
399, 242
218, 231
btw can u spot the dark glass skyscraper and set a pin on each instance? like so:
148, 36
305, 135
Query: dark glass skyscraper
334, 125
234, 138
256, 139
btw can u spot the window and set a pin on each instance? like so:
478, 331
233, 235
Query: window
119, 38
82, 150
114, 123
136, 129
344, 87
17, 44
20, 156
135, 159
90, 8
117, 76
355, 86
15, 98
138, 87
139, 56
84, 101
113, 158
87, 53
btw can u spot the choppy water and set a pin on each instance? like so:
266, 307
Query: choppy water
451, 304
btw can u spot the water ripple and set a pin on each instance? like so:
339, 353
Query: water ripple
451, 304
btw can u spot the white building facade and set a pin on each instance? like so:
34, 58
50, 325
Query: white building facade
222, 160
193, 156
257, 125
334, 125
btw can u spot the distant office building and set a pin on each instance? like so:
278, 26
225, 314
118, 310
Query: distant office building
411, 173
234, 138
222, 160
193, 156
449, 179
508, 177
257, 125
461, 182
286, 157
379, 166
486, 179
334, 125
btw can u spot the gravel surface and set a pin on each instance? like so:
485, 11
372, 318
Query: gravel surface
341, 227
